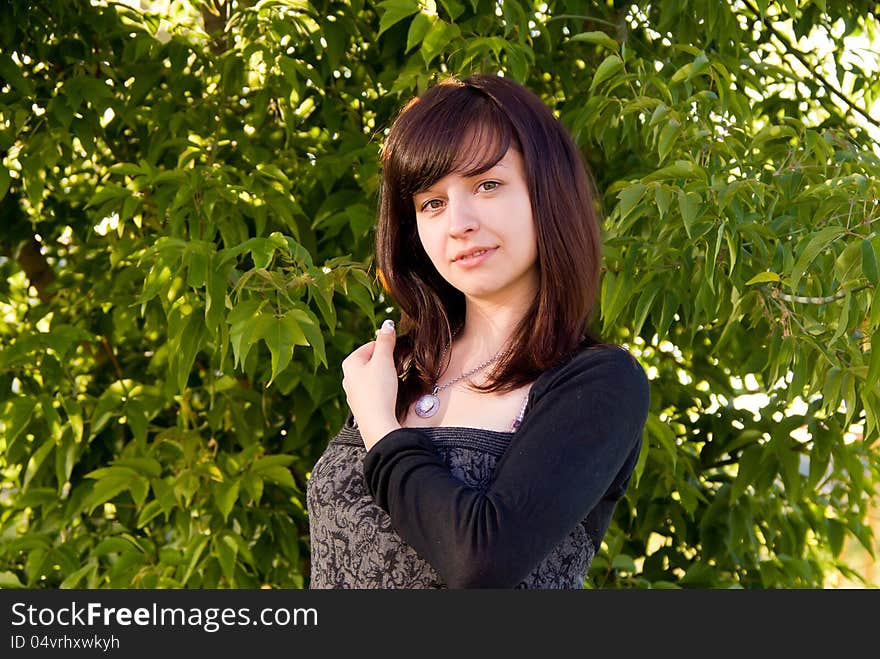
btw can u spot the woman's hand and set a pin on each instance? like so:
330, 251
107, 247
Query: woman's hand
370, 384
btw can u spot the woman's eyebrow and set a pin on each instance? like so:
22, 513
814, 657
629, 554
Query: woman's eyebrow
428, 190
485, 171
500, 164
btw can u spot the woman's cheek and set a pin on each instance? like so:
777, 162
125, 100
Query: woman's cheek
434, 249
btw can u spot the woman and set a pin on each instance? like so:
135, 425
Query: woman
449, 473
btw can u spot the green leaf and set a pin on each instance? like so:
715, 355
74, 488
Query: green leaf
664, 436
189, 346
105, 489
139, 487
663, 198
137, 417
517, 61
453, 8
195, 549
610, 66
646, 300
65, 460
17, 416
629, 197
874, 320
147, 513
196, 262
108, 405
50, 415
10, 580
818, 243
683, 73
74, 417
242, 328
417, 30
836, 534
149, 467
271, 461
395, 11
614, 293
689, 205
321, 291
262, 250
869, 261
763, 278
699, 67
4, 181
253, 485
36, 461
311, 329
281, 335
671, 304
437, 38
73, 579
215, 292
667, 139
685, 169
108, 193
280, 475
790, 463
873, 375
598, 38
165, 494
713, 261
225, 496
750, 465
640, 465
362, 295
226, 550
847, 262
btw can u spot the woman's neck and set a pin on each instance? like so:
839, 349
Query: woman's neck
488, 330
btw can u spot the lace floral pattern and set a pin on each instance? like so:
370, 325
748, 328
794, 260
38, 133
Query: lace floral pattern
353, 544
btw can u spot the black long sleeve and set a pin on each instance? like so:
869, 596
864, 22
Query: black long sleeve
570, 460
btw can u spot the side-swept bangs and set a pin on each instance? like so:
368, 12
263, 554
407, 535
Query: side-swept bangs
452, 128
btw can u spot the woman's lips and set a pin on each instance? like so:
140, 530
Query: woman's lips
474, 261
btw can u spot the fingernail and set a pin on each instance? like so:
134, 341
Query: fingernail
388, 326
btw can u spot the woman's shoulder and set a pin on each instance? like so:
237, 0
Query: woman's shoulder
607, 364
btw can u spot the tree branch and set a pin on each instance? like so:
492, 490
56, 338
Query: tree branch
807, 65
839, 295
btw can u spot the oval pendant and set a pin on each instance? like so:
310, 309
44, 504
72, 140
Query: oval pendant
427, 405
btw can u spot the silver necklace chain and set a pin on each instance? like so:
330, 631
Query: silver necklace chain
438, 388
428, 404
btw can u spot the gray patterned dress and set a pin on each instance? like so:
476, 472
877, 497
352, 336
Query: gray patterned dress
353, 544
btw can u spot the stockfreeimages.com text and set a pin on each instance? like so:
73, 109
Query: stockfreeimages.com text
209, 619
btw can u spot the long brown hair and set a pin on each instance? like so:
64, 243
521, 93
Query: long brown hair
433, 136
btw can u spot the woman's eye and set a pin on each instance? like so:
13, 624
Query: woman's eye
432, 205
488, 186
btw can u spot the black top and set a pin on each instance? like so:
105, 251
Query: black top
531, 515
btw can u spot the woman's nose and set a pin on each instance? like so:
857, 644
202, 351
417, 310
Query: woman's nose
462, 216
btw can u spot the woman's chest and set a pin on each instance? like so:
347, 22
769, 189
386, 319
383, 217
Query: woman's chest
460, 406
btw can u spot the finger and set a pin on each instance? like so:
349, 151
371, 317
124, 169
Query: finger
385, 338
360, 356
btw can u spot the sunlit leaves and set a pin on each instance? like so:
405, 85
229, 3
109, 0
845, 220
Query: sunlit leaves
164, 406
610, 66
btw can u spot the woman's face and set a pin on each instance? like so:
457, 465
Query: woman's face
458, 215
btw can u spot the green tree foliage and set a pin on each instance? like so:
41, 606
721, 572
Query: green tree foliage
187, 199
